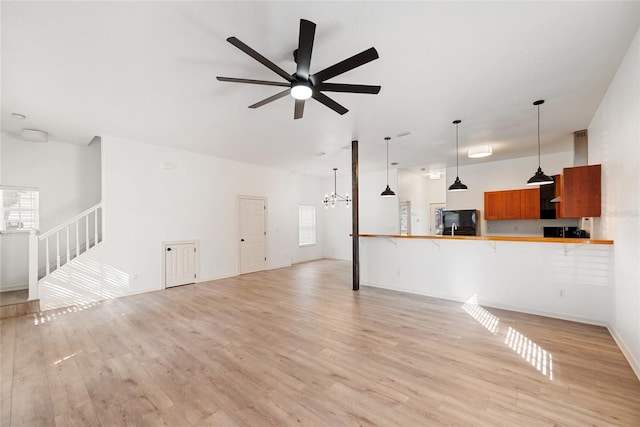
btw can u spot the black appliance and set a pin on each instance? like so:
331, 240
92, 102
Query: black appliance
465, 221
565, 232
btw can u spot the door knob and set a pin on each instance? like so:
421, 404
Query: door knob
242, 240
168, 249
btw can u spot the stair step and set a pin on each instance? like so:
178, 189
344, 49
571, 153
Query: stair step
19, 309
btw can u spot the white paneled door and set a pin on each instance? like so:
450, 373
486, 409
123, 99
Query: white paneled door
252, 234
179, 264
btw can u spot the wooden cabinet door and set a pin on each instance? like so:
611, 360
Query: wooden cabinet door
559, 210
530, 208
495, 205
581, 187
513, 209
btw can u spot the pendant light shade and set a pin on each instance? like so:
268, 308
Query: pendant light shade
457, 184
388, 192
539, 178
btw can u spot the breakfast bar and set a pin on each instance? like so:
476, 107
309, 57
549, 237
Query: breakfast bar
556, 277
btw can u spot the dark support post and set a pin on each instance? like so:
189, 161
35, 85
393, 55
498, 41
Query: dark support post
354, 216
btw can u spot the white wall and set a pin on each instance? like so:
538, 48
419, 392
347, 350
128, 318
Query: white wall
614, 141
506, 175
68, 177
197, 199
378, 215
421, 191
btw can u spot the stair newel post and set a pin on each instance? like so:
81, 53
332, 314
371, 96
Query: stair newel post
77, 238
86, 233
68, 250
33, 265
46, 244
57, 249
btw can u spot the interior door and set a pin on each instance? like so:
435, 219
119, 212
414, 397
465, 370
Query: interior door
252, 234
180, 264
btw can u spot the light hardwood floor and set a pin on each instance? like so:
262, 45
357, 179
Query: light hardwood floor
296, 346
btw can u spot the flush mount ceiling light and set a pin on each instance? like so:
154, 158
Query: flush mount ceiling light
480, 151
34, 135
388, 192
18, 116
539, 178
457, 184
335, 197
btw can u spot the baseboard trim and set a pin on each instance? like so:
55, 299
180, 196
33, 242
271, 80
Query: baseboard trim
626, 351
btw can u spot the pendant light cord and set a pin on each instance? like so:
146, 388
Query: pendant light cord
457, 151
335, 185
538, 136
387, 138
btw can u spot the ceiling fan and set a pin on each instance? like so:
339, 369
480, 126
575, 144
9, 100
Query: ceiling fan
302, 85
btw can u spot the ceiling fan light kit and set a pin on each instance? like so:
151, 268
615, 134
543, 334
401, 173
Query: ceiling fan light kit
457, 184
539, 178
302, 85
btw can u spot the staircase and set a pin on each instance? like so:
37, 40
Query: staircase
62, 245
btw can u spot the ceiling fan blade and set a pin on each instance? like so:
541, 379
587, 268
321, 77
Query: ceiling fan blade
340, 87
321, 97
305, 48
261, 59
346, 65
299, 109
255, 82
271, 99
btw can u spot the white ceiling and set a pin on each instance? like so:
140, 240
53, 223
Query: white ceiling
146, 71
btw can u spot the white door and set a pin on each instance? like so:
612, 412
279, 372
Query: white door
179, 264
252, 234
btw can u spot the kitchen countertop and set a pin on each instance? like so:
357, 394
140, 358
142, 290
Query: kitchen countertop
500, 239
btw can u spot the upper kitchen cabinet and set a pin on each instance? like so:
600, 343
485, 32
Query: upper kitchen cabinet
512, 204
530, 204
580, 192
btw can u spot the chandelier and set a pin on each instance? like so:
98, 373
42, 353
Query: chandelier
331, 199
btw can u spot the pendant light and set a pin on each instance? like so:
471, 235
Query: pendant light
387, 191
539, 178
335, 197
457, 184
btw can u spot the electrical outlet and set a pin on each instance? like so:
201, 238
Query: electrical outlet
562, 293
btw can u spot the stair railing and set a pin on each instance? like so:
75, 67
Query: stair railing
83, 229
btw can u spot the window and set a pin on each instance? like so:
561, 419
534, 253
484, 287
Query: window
306, 225
19, 209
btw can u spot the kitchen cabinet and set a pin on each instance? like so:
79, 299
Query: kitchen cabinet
512, 204
530, 203
580, 192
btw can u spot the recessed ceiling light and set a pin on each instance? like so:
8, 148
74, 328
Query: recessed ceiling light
423, 169
400, 135
394, 163
346, 147
34, 135
480, 151
320, 153
18, 116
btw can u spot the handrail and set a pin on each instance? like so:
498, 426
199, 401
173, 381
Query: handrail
70, 249
69, 222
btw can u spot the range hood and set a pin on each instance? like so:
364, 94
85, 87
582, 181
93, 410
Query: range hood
580, 153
